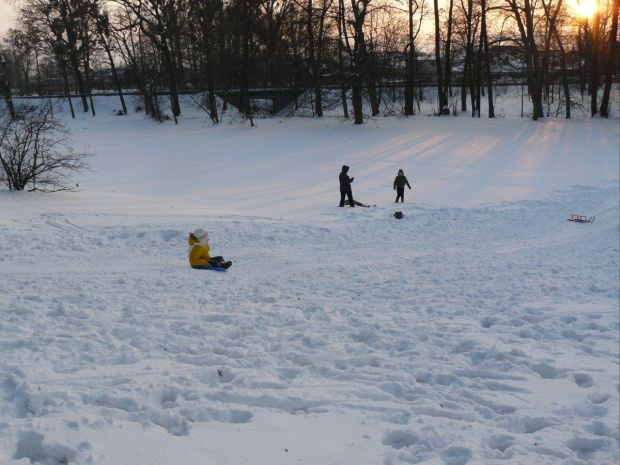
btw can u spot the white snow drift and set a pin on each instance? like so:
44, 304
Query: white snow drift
482, 328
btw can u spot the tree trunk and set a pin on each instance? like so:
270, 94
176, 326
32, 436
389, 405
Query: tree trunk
319, 58
409, 79
210, 75
343, 86
39, 84
487, 59
71, 43
312, 61
468, 56
533, 69
443, 104
87, 76
448, 60
172, 82
67, 89
611, 58
409, 82
594, 65
245, 61
369, 72
5, 86
106, 46
80, 83
358, 60
356, 98
554, 30
478, 109
68, 22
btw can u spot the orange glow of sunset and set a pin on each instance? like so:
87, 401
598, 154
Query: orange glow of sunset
585, 8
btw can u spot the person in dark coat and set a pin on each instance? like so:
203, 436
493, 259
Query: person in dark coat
399, 185
345, 187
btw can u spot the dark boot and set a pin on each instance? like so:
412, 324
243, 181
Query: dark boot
350, 197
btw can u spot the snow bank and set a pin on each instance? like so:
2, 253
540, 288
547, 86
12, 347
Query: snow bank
481, 328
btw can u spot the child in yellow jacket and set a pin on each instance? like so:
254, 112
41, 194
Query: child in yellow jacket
198, 251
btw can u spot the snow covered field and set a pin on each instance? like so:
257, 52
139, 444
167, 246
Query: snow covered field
482, 328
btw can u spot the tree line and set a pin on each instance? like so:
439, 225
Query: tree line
357, 55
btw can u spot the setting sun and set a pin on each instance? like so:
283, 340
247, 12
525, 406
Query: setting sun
585, 8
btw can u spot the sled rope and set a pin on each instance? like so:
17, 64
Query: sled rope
607, 211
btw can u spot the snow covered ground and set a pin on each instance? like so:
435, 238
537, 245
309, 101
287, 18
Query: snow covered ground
482, 328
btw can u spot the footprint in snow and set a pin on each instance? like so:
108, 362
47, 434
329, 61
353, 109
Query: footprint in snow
599, 397
500, 442
456, 455
587, 448
399, 439
583, 380
525, 425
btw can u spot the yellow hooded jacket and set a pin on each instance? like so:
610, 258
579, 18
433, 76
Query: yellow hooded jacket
198, 253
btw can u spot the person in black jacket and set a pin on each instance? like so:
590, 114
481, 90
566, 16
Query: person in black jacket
345, 187
399, 185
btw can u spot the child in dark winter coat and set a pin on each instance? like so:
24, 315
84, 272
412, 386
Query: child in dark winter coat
345, 187
399, 185
198, 251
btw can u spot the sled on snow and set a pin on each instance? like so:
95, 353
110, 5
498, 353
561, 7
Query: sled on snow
358, 204
579, 218
212, 268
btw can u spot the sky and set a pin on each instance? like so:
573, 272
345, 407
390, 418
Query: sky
6, 16
7, 12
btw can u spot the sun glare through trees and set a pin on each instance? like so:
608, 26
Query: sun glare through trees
362, 58
585, 8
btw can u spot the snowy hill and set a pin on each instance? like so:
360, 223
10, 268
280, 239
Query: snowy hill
482, 328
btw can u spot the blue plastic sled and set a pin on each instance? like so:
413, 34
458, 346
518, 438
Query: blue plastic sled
212, 268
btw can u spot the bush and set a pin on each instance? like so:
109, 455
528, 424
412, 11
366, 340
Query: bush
36, 152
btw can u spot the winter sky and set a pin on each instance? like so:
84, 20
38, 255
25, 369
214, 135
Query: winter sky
6, 16
7, 12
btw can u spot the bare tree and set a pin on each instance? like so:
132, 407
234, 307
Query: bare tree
275, 14
102, 23
611, 68
5, 86
137, 54
356, 56
487, 57
315, 27
58, 24
523, 12
413, 6
36, 152
342, 39
443, 99
592, 33
248, 20
360, 66
447, 77
203, 34
158, 20
552, 19
466, 26
19, 49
